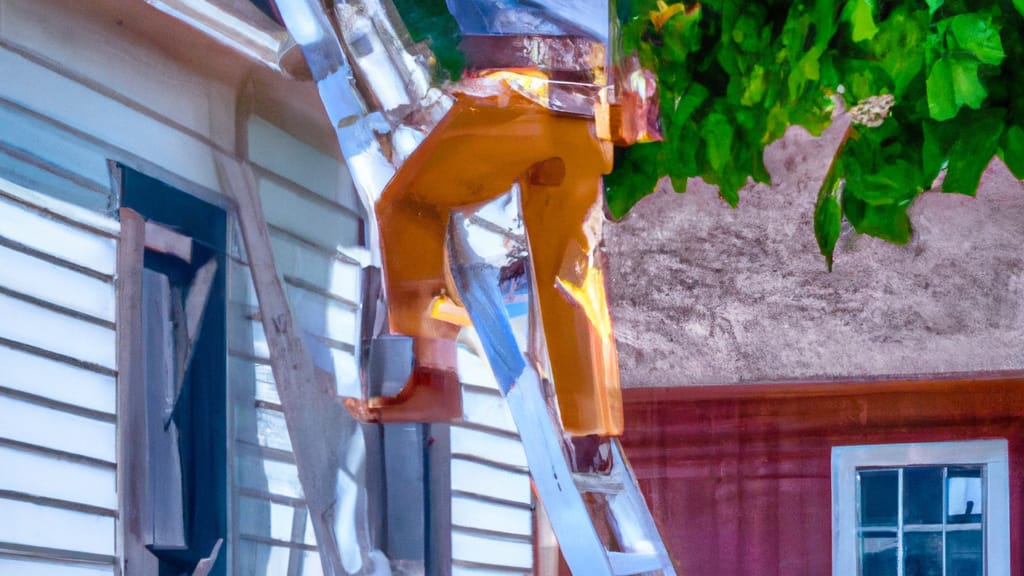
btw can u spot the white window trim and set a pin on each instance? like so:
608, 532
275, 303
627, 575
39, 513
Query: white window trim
991, 453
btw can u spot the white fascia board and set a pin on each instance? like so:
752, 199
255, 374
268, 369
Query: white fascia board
229, 29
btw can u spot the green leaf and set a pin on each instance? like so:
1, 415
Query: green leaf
934, 5
862, 19
828, 214
974, 148
953, 82
746, 33
864, 78
825, 22
942, 103
900, 46
681, 35
888, 222
1019, 5
977, 36
732, 180
684, 106
755, 88
880, 183
717, 132
1013, 149
635, 176
889, 184
938, 141
679, 156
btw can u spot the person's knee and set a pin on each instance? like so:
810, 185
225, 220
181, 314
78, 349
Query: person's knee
550, 172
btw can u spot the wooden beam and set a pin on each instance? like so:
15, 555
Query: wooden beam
318, 425
131, 400
198, 296
188, 323
162, 239
206, 564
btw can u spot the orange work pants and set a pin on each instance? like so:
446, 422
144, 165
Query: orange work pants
475, 154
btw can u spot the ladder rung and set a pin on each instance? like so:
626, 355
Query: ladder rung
599, 483
624, 563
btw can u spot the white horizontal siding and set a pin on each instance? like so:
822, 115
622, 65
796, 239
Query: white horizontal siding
69, 211
263, 427
247, 338
63, 504
261, 559
485, 529
490, 446
32, 172
50, 428
317, 267
267, 475
50, 330
284, 155
55, 147
101, 50
487, 409
251, 382
59, 239
475, 571
57, 381
324, 317
468, 512
45, 476
27, 567
487, 481
308, 201
30, 524
81, 108
265, 519
311, 565
494, 551
241, 291
319, 221
45, 281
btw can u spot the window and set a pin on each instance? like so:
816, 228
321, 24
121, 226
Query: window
172, 378
931, 509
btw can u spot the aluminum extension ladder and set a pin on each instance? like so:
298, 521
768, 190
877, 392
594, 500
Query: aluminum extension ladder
617, 505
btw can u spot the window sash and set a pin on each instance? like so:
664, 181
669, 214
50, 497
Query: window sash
993, 454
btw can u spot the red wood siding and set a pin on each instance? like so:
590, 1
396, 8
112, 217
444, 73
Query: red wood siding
739, 477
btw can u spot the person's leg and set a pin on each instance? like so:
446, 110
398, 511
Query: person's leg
563, 222
475, 154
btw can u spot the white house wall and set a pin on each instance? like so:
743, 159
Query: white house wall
492, 507
58, 493
96, 52
315, 235
78, 92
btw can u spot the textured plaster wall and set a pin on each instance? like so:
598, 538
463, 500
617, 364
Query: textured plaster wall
704, 294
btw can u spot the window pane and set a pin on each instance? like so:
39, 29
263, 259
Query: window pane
879, 497
964, 495
878, 554
964, 553
923, 553
922, 496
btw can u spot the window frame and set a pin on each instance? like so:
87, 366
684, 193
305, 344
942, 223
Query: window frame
993, 454
158, 230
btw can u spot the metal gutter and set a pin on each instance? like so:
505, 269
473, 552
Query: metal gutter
253, 35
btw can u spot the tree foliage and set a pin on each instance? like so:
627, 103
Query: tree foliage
733, 76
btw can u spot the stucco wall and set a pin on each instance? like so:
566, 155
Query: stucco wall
704, 294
